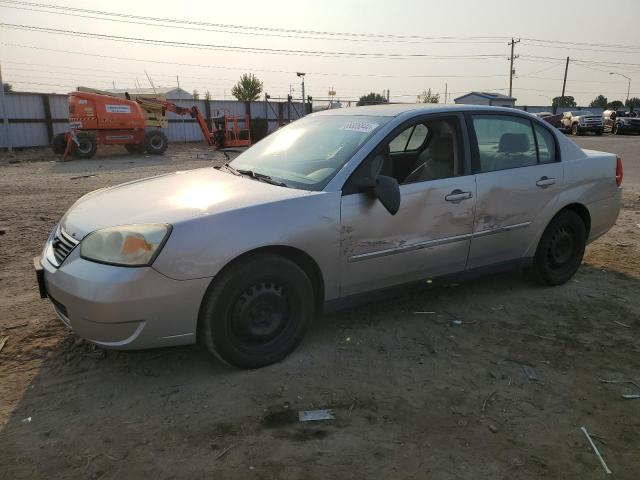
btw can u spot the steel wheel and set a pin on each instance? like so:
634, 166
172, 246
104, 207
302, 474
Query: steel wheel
561, 248
257, 311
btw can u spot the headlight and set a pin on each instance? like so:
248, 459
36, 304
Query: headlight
127, 245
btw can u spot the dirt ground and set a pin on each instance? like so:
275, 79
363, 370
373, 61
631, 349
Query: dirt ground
415, 395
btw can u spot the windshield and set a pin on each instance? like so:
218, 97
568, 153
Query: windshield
307, 153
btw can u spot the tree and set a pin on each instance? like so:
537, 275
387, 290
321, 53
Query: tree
428, 97
563, 102
600, 101
7, 87
248, 88
195, 94
371, 99
615, 105
207, 95
633, 103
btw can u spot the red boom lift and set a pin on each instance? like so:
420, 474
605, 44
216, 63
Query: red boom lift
103, 118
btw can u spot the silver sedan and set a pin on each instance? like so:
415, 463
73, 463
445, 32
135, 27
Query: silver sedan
244, 256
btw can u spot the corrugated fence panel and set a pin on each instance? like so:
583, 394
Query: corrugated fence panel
28, 128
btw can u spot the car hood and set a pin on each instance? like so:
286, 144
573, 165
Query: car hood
170, 198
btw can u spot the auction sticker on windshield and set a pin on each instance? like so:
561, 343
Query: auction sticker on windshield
362, 127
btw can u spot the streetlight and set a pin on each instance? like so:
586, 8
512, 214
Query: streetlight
628, 79
301, 75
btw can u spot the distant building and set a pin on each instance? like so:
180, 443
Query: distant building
486, 98
170, 93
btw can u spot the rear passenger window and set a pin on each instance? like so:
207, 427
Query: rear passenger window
546, 144
504, 142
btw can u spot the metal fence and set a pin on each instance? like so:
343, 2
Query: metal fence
34, 118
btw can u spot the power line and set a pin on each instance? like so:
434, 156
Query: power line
195, 65
174, 21
235, 48
241, 32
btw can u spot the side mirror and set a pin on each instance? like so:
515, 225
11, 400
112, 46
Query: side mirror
386, 189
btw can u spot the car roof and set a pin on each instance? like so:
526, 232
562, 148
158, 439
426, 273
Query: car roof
393, 110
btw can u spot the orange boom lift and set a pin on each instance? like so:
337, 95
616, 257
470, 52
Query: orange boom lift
102, 118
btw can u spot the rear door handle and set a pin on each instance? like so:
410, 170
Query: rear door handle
545, 182
457, 196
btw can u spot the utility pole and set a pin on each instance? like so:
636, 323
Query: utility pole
446, 88
628, 85
564, 83
513, 44
304, 107
3, 112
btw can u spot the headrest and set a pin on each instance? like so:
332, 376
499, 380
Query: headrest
441, 149
514, 143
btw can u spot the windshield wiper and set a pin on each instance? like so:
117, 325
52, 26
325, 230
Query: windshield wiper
261, 177
231, 169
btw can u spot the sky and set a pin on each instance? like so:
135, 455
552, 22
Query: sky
351, 47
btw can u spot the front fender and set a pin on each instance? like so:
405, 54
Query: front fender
201, 247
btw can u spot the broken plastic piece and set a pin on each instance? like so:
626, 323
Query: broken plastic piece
315, 415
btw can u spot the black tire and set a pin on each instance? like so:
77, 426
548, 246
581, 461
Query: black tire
87, 145
155, 142
616, 129
135, 148
257, 311
599, 132
561, 248
59, 144
574, 129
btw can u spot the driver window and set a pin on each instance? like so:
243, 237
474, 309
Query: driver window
425, 151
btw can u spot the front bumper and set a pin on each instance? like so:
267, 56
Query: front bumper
590, 128
124, 308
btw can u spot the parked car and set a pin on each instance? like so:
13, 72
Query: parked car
242, 257
621, 121
581, 122
555, 120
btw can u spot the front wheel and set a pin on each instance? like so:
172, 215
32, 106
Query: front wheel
155, 142
561, 249
616, 129
257, 312
574, 129
86, 147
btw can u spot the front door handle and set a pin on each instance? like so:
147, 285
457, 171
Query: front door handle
545, 182
457, 196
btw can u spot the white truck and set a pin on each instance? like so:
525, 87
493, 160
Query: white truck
579, 122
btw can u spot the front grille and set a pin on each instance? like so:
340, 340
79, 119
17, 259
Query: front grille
592, 121
62, 244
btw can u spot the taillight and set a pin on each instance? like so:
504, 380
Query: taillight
619, 171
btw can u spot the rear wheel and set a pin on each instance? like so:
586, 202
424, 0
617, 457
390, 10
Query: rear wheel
86, 146
135, 147
155, 142
616, 129
59, 144
561, 249
257, 312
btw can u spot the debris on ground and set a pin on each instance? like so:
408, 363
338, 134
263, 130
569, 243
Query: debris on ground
26, 420
621, 324
224, 452
632, 396
2, 231
3, 340
595, 449
493, 428
82, 176
423, 313
530, 373
487, 400
315, 415
630, 382
456, 323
